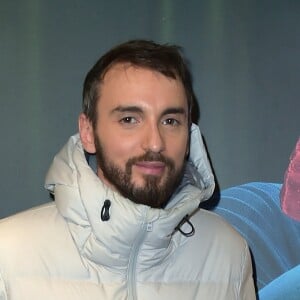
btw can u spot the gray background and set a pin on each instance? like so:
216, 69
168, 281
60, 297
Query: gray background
245, 63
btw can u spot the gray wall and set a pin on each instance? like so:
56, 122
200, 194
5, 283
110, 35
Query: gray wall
245, 63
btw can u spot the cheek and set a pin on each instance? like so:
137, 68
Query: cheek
178, 150
120, 149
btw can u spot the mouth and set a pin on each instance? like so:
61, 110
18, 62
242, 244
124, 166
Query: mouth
155, 168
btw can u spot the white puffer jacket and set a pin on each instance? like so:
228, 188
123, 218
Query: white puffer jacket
65, 251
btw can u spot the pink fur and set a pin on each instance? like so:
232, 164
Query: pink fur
290, 192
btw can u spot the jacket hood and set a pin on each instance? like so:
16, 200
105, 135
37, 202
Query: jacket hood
80, 196
198, 171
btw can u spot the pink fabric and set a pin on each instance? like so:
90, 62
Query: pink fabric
290, 192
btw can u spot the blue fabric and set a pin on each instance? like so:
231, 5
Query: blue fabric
286, 286
274, 238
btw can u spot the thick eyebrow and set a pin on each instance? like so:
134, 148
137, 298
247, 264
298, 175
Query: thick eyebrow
174, 110
136, 109
121, 109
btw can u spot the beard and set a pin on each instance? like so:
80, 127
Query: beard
156, 190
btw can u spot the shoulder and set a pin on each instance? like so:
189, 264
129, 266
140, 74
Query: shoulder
209, 223
30, 218
26, 229
216, 253
37, 243
217, 244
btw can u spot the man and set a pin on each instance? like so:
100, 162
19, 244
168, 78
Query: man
130, 228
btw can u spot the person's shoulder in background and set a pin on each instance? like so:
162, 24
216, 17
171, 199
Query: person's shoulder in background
268, 216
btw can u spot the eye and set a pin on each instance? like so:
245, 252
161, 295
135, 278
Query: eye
171, 122
128, 120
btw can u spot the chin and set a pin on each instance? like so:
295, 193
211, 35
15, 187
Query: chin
141, 182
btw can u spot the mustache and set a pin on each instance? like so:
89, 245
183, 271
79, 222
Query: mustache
150, 156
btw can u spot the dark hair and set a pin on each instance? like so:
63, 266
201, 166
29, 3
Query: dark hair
165, 59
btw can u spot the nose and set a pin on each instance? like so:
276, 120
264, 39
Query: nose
153, 139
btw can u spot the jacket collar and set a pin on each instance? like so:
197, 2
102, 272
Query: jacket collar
80, 196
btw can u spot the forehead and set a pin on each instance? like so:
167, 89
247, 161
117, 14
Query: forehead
124, 79
120, 70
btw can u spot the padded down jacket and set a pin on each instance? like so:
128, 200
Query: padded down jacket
64, 250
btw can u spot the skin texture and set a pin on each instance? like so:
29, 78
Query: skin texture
141, 131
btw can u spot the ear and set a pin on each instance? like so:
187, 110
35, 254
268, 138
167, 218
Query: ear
86, 132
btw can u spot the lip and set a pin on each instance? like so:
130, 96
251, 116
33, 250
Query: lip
151, 167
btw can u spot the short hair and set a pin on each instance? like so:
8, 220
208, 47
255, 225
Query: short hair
163, 58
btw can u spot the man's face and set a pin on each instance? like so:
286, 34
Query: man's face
141, 134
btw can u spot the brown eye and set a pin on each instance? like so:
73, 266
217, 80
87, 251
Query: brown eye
171, 122
128, 120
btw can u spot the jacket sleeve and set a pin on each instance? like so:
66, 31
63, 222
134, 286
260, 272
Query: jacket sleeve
3, 295
246, 289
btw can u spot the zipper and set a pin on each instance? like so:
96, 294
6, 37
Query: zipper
146, 226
